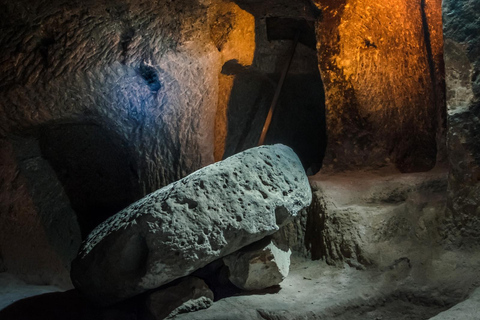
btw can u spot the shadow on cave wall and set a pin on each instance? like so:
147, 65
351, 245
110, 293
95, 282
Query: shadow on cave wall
93, 165
298, 121
299, 117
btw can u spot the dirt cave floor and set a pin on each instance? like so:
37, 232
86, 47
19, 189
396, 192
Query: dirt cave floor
398, 266
313, 290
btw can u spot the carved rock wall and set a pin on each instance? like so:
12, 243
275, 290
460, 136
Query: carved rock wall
462, 64
116, 95
382, 68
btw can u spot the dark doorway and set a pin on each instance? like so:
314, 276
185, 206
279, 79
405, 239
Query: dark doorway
299, 117
95, 168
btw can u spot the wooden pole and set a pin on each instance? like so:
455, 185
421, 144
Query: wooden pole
278, 90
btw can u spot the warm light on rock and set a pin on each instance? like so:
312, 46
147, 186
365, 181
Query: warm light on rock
131, 126
382, 72
233, 32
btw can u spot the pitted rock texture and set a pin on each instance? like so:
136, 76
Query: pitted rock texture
258, 266
191, 306
462, 67
190, 223
190, 294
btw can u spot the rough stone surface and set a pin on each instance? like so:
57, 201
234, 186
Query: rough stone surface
462, 64
293, 234
139, 78
258, 266
184, 226
191, 306
190, 294
366, 219
388, 225
145, 70
383, 72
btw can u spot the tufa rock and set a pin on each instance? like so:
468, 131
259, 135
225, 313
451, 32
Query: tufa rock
462, 79
190, 294
191, 306
258, 266
186, 225
368, 126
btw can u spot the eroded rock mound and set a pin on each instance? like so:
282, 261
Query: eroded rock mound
175, 230
190, 294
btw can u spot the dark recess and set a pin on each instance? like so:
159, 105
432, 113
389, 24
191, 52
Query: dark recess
298, 121
299, 117
44, 47
279, 28
95, 169
125, 40
149, 74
